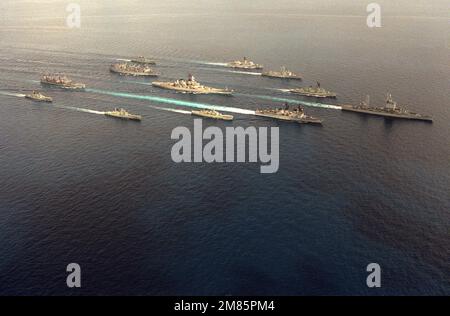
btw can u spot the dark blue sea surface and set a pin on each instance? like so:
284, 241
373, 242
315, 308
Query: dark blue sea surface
76, 186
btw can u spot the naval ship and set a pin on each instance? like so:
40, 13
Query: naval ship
129, 69
282, 74
190, 86
61, 82
39, 97
244, 64
143, 60
212, 114
122, 114
316, 92
390, 110
296, 114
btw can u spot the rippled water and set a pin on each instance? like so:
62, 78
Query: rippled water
78, 187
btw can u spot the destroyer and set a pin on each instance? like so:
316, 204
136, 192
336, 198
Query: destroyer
390, 110
143, 60
124, 115
39, 97
282, 74
244, 64
190, 86
213, 114
61, 82
296, 114
129, 69
316, 92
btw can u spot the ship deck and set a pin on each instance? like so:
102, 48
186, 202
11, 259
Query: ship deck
349, 108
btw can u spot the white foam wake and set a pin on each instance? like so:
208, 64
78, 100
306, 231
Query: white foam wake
170, 110
213, 64
234, 71
18, 95
80, 109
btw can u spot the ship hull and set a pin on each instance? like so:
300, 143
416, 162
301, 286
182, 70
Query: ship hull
281, 77
126, 118
66, 87
306, 120
313, 95
221, 117
143, 62
349, 108
254, 67
168, 86
245, 68
46, 100
134, 74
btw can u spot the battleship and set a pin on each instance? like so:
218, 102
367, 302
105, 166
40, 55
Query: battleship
244, 64
130, 69
316, 92
390, 110
61, 82
143, 60
124, 115
39, 97
282, 74
212, 114
296, 114
191, 86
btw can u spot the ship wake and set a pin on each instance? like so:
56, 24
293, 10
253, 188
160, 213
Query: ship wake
234, 71
170, 110
210, 63
11, 94
80, 109
292, 101
172, 101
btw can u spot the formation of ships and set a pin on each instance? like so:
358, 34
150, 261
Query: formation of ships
140, 66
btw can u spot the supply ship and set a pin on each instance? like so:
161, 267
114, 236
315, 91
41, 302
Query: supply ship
136, 70
143, 60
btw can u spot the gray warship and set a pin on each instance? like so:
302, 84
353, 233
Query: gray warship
190, 86
39, 97
316, 92
61, 81
131, 69
143, 60
282, 74
212, 114
124, 115
244, 64
297, 114
390, 110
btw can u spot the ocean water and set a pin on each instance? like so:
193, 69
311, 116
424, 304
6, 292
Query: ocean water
78, 187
